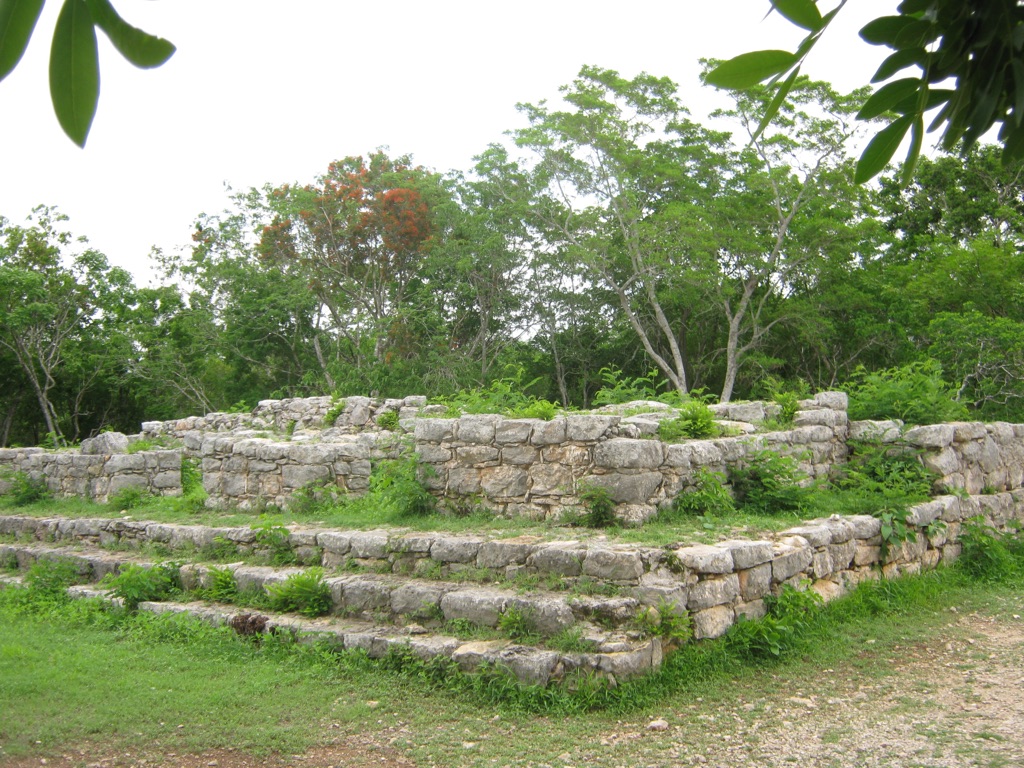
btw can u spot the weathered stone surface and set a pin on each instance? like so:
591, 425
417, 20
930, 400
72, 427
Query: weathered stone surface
756, 609
816, 535
930, 436
548, 432
612, 565
864, 526
558, 559
417, 600
589, 427
504, 481
628, 489
756, 582
519, 455
792, 556
547, 615
712, 622
550, 480
105, 443
469, 656
716, 590
434, 430
623, 453
505, 552
451, 549
704, 558
464, 481
482, 607
368, 544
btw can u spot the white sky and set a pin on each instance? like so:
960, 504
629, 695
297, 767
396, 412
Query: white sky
269, 91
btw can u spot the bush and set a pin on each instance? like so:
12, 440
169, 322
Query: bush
695, 421
600, 508
395, 484
617, 388
915, 393
893, 471
274, 541
778, 633
707, 496
507, 396
304, 593
988, 555
131, 497
26, 489
388, 420
136, 584
768, 483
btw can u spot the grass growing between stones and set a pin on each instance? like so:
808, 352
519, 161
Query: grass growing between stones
72, 673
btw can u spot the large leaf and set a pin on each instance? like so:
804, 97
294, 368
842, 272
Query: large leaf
140, 48
803, 13
881, 149
74, 70
777, 100
888, 96
897, 31
17, 20
900, 60
749, 69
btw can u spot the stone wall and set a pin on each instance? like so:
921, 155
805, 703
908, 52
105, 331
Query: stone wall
513, 466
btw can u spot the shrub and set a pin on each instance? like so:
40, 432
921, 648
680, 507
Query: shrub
915, 393
600, 507
136, 584
767, 483
388, 420
707, 496
695, 421
337, 408
517, 624
617, 388
780, 631
50, 579
988, 555
304, 593
274, 540
222, 587
26, 489
130, 497
893, 471
192, 492
395, 484
508, 395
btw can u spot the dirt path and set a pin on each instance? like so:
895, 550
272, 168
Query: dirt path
956, 702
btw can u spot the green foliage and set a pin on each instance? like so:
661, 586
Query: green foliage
892, 471
665, 622
129, 497
221, 587
894, 530
26, 489
914, 393
136, 584
782, 631
395, 484
192, 492
273, 540
616, 388
517, 624
768, 483
388, 420
508, 396
990, 556
695, 421
337, 408
304, 593
707, 496
571, 640
599, 505
50, 579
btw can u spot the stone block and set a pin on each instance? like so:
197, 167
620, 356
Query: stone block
434, 430
704, 558
519, 455
587, 428
368, 544
756, 582
930, 436
296, 476
558, 559
366, 595
105, 443
476, 455
715, 590
550, 480
712, 622
752, 611
623, 453
612, 565
504, 481
482, 607
513, 431
638, 488
504, 552
791, 558
549, 432
452, 549
464, 481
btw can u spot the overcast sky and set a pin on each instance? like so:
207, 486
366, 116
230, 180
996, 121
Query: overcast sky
264, 91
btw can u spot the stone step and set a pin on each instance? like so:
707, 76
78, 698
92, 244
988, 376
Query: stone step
606, 621
530, 665
396, 550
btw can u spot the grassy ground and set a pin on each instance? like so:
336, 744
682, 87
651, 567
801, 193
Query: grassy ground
74, 677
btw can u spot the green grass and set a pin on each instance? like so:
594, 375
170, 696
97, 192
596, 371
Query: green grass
73, 673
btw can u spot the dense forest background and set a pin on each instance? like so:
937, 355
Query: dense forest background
608, 238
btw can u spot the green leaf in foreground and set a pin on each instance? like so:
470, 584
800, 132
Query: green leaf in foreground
803, 13
749, 69
75, 70
17, 20
140, 48
881, 149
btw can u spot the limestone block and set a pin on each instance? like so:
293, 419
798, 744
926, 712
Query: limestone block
434, 430
119, 482
715, 590
677, 456
867, 554
964, 431
476, 455
548, 616
747, 554
550, 480
368, 544
704, 558
520, 455
792, 556
416, 543
513, 431
623, 453
296, 476
944, 463
366, 595
827, 589
842, 554
464, 481
589, 427
505, 552
469, 656
105, 443
456, 549
840, 528
924, 514
626, 664
816, 535
837, 401
628, 489
712, 622
704, 453
125, 462
756, 582
233, 485
821, 564
562, 559
569, 455
825, 417
612, 565
482, 607
752, 611
864, 526
477, 429
549, 432
930, 436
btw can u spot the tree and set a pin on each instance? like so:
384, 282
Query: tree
59, 315
976, 43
